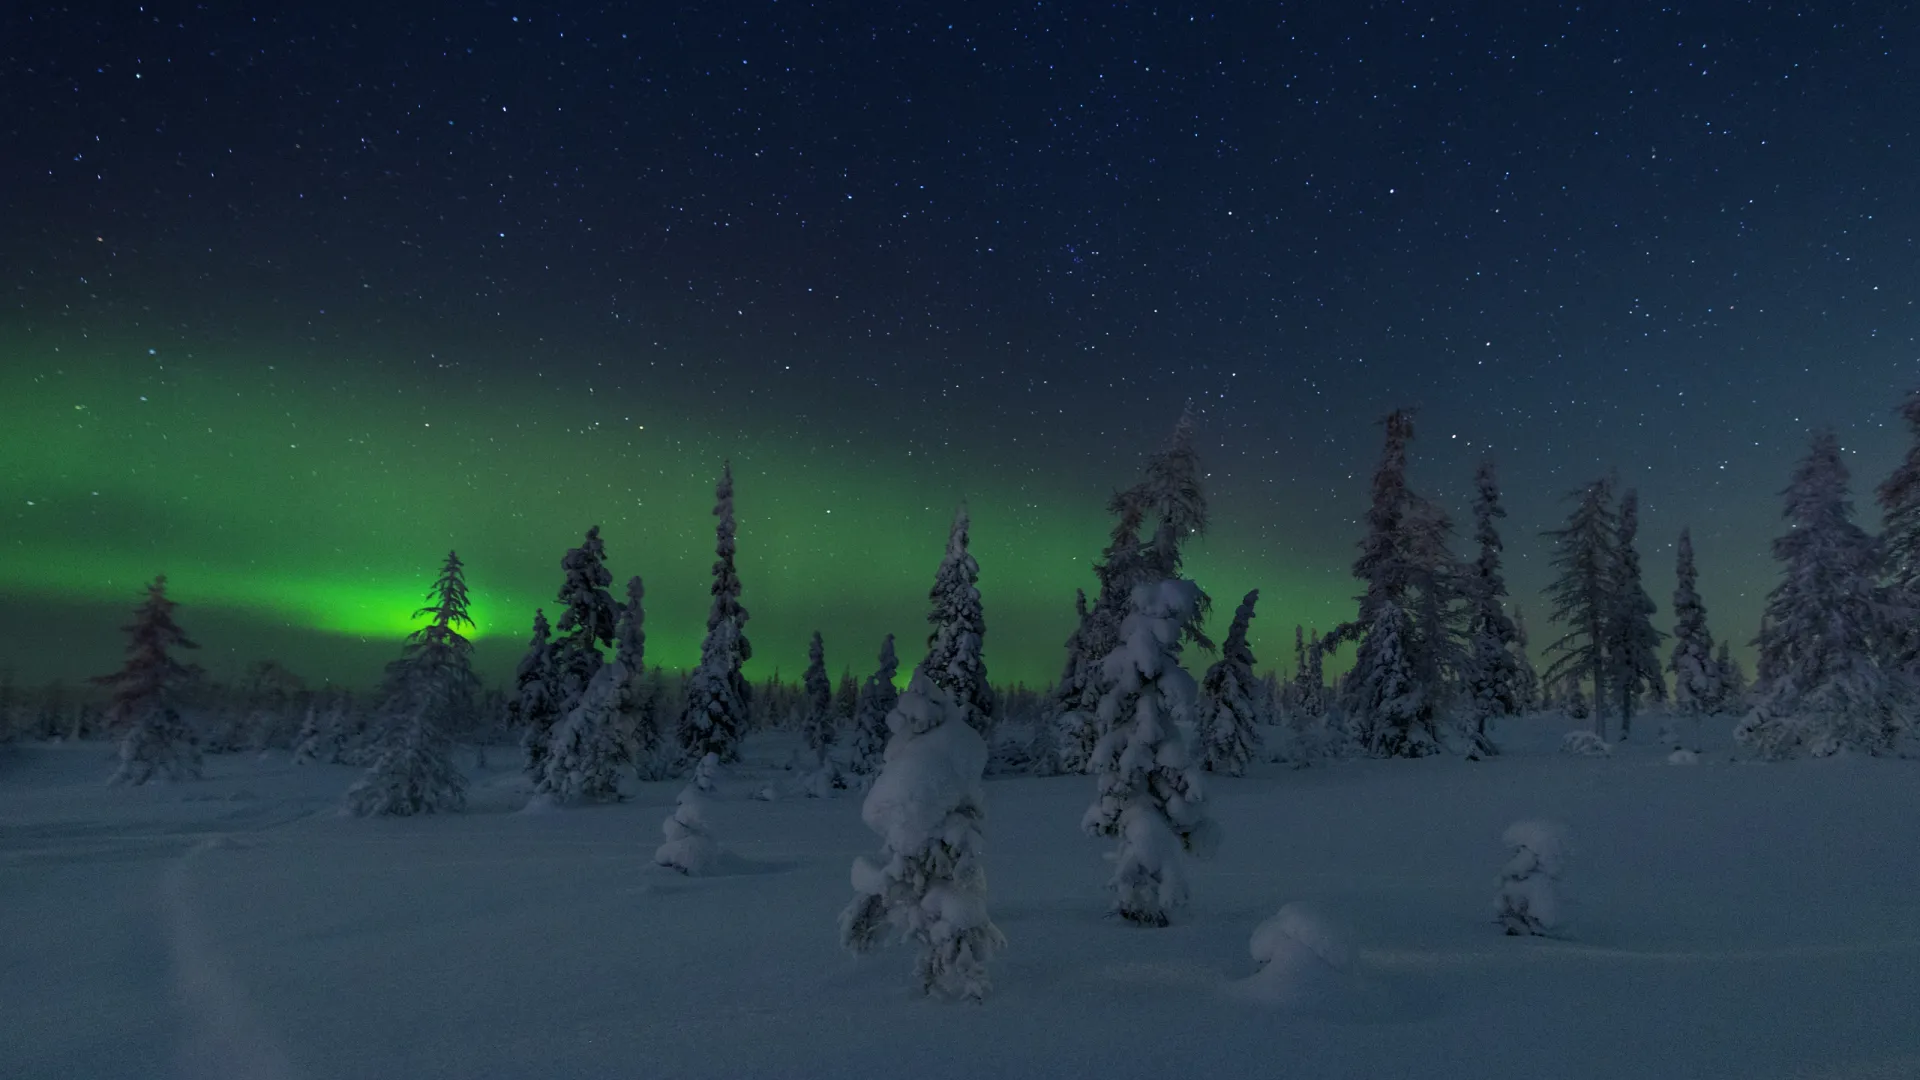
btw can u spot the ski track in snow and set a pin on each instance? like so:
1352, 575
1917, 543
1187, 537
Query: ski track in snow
226, 1039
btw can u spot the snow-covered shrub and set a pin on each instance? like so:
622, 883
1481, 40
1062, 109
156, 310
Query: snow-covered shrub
413, 774
1529, 900
689, 847
1584, 743
1683, 756
929, 884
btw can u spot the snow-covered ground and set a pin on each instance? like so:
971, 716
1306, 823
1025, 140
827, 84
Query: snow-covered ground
1723, 920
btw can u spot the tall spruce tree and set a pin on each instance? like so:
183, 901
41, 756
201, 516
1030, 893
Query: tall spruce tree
1899, 499
1493, 680
637, 692
534, 705
816, 700
1698, 686
1077, 695
1825, 688
1227, 724
145, 702
588, 619
1171, 498
715, 716
1406, 566
428, 693
953, 660
1582, 597
877, 698
1633, 645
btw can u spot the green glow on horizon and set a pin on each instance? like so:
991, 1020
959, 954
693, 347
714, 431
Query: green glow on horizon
326, 502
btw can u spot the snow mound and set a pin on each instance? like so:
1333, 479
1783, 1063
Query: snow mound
1303, 957
1585, 744
1683, 756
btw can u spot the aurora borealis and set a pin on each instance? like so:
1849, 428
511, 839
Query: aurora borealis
296, 304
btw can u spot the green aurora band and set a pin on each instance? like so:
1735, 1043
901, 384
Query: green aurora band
316, 503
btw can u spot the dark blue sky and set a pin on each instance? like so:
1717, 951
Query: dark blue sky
1579, 237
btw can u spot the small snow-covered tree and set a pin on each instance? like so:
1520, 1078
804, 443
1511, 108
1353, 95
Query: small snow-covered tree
534, 705
1632, 645
1492, 678
1698, 687
929, 884
428, 692
877, 699
1148, 796
816, 717
953, 658
1227, 727
1825, 689
689, 845
715, 715
1583, 594
1529, 901
145, 703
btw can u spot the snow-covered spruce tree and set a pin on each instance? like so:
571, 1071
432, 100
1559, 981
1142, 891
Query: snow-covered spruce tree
145, 703
1122, 565
1406, 565
428, 692
1149, 798
1529, 899
953, 658
817, 716
534, 705
877, 699
1227, 727
689, 845
1492, 677
1065, 736
1633, 645
1583, 595
846, 697
1821, 644
590, 746
715, 716
1384, 687
1698, 689
637, 694
1733, 677
1527, 691
1899, 499
588, 619
929, 885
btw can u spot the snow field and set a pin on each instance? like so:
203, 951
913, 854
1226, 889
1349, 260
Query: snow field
1723, 920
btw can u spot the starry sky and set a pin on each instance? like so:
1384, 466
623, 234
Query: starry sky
294, 303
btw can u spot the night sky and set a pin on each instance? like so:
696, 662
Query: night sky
294, 304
